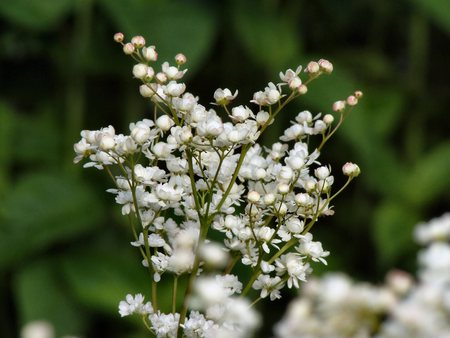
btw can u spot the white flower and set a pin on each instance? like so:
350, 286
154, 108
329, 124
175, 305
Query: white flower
174, 89
211, 127
172, 72
241, 113
293, 265
434, 230
164, 325
351, 169
167, 192
312, 249
268, 286
134, 304
224, 96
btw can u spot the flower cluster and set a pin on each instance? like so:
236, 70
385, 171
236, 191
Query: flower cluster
192, 170
335, 306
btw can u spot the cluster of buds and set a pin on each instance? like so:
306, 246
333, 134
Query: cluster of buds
190, 172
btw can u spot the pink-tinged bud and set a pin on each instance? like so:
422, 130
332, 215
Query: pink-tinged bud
118, 37
339, 106
312, 67
352, 101
302, 89
138, 41
180, 59
328, 119
128, 48
351, 169
326, 66
161, 77
149, 53
358, 94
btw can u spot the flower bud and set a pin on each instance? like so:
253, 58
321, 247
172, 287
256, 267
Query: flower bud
310, 185
128, 48
107, 142
303, 199
149, 53
281, 209
339, 106
260, 173
352, 100
322, 172
180, 59
164, 122
283, 188
269, 199
351, 169
312, 67
302, 89
262, 117
140, 71
326, 66
118, 37
328, 119
140, 134
138, 41
253, 196
358, 94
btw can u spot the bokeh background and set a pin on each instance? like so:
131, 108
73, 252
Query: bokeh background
64, 253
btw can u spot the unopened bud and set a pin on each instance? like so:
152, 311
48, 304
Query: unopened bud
269, 198
118, 37
328, 119
149, 53
140, 70
352, 100
138, 41
180, 59
253, 196
302, 89
339, 106
283, 188
358, 94
312, 67
326, 66
351, 169
128, 48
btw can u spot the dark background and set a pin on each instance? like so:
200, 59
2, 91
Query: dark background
64, 253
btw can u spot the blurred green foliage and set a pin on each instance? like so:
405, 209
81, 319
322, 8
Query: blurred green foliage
63, 247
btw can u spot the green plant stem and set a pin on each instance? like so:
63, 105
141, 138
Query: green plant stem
174, 293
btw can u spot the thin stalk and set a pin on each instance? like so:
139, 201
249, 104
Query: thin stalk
174, 293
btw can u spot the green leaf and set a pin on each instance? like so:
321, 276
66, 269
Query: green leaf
393, 227
436, 10
173, 26
40, 295
430, 178
270, 38
42, 210
35, 14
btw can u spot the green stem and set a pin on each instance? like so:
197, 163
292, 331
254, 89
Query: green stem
174, 293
